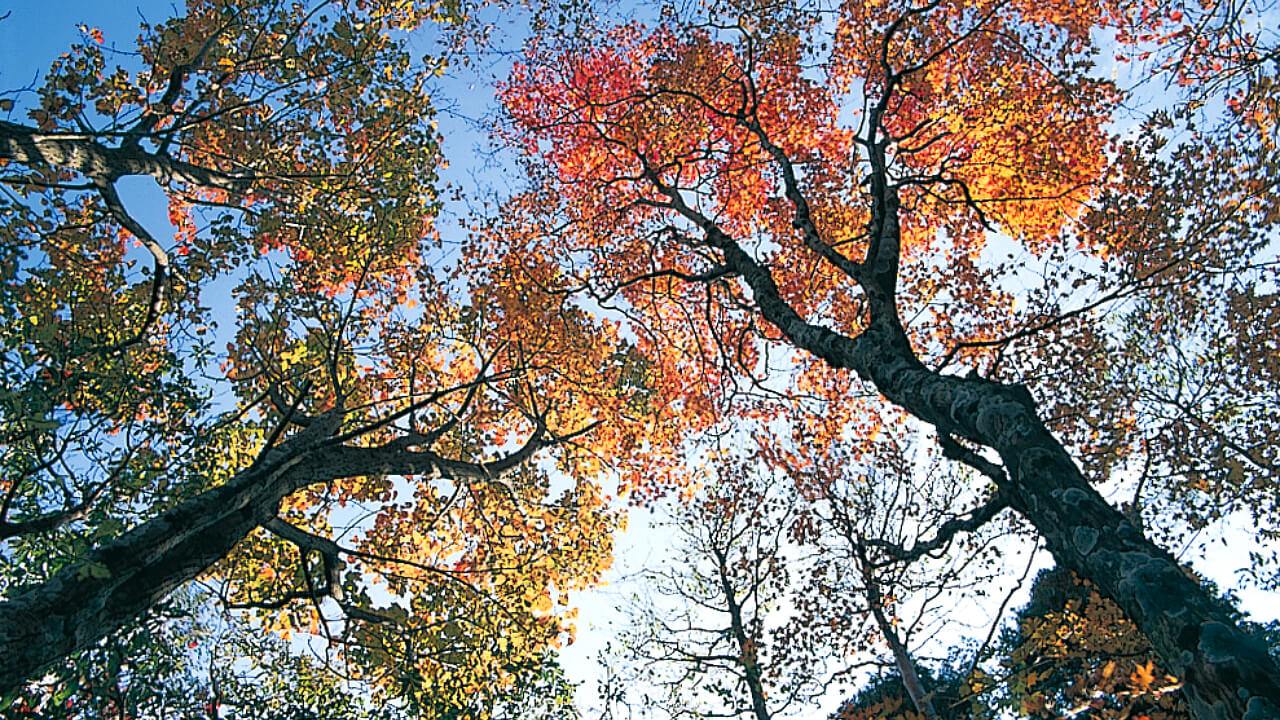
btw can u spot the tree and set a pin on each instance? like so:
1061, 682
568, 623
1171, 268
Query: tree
792, 206
370, 423
182, 660
881, 577
185, 659
704, 177
784, 588
1072, 652
705, 640
887, 697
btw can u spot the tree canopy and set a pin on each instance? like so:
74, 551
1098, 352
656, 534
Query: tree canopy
914, 282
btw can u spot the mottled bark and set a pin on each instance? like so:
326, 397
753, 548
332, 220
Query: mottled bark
920, 697
123, 578
1226, 673
103, 165
85, 154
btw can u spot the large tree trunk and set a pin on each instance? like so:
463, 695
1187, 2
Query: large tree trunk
1226, 673
122, 579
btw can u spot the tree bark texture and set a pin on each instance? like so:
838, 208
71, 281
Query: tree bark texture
125, 577
1226, 673
85, 155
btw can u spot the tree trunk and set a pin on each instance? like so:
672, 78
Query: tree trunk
748, 660
920, 697
123, 578
1225, 673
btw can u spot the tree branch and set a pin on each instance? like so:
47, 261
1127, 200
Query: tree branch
83, 153
159, 276
976, 518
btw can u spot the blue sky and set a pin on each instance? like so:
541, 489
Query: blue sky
36, 32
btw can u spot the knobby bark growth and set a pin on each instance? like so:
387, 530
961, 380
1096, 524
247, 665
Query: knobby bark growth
679, 191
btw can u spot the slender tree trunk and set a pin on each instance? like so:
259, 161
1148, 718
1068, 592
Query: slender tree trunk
749, 661
910, 678
901, 656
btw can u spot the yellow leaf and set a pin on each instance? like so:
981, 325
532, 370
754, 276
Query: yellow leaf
1143, 676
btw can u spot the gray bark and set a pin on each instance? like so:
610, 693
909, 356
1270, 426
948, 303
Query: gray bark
1226, 673
85, 154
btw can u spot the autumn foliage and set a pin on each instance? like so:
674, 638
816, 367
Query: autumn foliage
951, 261
941, 204
300, 292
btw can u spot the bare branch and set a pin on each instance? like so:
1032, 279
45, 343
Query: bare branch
975, 519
